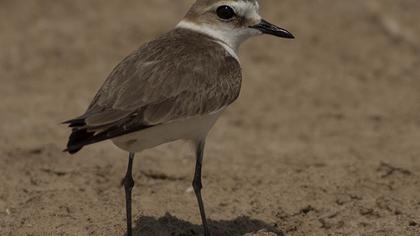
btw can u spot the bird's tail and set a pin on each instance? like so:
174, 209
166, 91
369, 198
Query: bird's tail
77, 140
79, 135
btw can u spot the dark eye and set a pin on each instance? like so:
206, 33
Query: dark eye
225, 12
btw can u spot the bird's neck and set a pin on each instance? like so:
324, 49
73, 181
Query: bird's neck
226, 39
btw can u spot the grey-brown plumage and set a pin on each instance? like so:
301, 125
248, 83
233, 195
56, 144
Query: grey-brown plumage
181, 74
174, 87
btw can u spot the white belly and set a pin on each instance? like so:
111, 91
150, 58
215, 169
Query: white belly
195, 128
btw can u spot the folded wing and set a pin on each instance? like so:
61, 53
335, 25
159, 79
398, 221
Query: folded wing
180, 75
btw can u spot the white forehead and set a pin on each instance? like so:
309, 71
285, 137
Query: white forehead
242, 7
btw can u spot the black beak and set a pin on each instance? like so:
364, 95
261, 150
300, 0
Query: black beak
268, 28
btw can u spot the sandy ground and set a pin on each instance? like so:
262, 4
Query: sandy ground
325, 139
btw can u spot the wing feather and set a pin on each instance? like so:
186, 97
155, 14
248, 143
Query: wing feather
180, 75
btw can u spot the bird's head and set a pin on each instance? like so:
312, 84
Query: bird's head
231, 21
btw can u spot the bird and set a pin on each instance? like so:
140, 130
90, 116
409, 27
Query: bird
174, 87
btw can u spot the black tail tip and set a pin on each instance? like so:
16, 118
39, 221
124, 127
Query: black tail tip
72, 151
77, 140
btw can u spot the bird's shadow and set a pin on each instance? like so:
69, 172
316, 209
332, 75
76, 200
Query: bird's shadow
169, 225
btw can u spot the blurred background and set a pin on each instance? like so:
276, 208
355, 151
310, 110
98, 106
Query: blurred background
324, 140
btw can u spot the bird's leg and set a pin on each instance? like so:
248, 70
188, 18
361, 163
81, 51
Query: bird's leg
128, 186
197, 185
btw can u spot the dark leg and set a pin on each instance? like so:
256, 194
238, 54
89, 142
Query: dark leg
128, 186
198, 186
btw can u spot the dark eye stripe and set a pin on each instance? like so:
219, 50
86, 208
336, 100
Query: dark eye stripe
225, 12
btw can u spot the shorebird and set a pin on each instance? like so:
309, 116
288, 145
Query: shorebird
174, 87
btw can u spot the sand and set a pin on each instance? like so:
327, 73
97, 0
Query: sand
324, 140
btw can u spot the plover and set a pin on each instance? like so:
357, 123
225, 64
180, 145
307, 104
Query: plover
174, 87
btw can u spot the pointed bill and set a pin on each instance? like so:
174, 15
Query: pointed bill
268, 28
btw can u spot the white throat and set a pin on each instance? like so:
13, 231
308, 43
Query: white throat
229, 39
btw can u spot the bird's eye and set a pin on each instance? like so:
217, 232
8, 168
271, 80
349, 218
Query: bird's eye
225, 12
